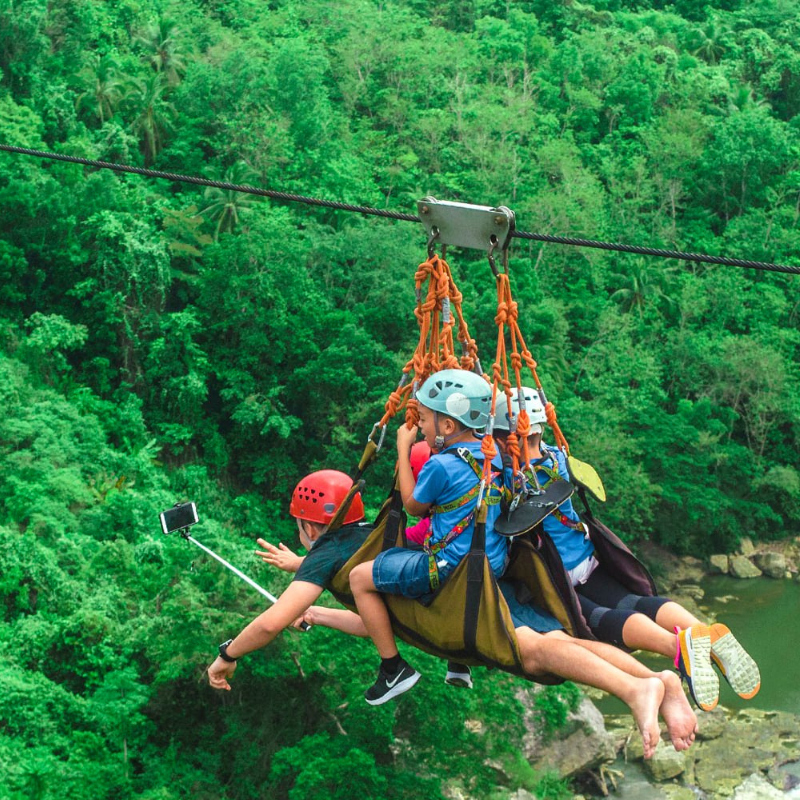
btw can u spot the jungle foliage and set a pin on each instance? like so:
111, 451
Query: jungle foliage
163, 342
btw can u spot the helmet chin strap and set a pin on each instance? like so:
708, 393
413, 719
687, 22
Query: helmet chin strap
440, 441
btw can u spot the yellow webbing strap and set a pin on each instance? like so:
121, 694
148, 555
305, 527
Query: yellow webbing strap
341, 512
370, 452
585, 476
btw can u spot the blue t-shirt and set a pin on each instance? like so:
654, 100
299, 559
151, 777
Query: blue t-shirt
447, 477
572, 545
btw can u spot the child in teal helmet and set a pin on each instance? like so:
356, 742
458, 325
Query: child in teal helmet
615, 614
453, 405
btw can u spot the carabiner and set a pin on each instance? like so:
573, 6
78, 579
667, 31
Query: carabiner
490, 255
382, 436
431, 239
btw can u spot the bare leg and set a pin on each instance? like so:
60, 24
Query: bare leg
675, 709
336, 618
672, 615
557, 653
372, 610
641, 633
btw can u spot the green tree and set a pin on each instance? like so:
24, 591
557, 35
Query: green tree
152, 114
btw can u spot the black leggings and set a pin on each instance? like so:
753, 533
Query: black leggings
607, 605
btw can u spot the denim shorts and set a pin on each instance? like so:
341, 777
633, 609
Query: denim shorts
528, 615
400, 570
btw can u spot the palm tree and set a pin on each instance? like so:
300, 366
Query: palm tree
104, 88
153, 114
163, 49
711, 46
225, 205
641, 284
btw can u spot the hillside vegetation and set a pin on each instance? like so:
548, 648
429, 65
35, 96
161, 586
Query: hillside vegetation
161, 342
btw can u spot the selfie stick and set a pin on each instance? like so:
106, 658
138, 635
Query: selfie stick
271, 597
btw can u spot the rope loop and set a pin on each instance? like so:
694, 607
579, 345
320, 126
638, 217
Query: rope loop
441, 324
489, 450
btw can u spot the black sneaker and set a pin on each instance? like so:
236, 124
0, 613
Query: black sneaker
389, 686
458, 675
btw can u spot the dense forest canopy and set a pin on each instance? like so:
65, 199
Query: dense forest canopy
162, 341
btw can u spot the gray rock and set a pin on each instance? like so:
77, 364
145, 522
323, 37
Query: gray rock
691, 590
718, 564
771, 564
746, 547
587, 746
751, 742
666, 763
742, 567
633, 749
673, 792
782, 775
522, 794
690, 570
500, 774
454, 791
757, 787
711, 724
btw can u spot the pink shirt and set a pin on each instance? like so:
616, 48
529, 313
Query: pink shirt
417, 533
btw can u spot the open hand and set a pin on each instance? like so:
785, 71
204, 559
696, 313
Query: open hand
281, 556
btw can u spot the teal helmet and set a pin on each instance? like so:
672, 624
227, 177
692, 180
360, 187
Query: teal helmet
459, 394
533, 405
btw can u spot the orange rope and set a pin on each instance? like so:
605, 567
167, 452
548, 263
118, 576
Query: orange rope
507, 313
441, 323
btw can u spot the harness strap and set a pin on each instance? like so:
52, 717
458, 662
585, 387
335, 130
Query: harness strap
552, 476
489, 499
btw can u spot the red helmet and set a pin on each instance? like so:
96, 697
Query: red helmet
420, 453
317, 497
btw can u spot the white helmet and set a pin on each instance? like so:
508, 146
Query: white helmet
533, 405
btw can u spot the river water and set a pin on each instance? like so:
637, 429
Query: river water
764, 614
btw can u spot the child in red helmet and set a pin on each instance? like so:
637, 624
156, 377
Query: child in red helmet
314, 503
283, 558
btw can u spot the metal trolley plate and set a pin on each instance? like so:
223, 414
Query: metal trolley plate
463, 225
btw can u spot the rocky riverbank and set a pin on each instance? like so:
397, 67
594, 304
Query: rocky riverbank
747, 754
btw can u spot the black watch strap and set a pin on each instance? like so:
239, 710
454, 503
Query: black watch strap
223, 652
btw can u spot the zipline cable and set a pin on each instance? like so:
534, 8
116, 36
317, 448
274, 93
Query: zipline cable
387, 214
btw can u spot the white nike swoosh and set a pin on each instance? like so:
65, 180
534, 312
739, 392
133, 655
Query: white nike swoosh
391, 684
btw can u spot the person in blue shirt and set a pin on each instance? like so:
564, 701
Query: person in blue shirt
453, 405
613, 613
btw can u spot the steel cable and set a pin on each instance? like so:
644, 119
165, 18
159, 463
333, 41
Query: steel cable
387, 214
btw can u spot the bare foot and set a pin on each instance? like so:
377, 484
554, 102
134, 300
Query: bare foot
644, 707
676, 712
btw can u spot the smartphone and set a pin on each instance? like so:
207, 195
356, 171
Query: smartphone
180, 516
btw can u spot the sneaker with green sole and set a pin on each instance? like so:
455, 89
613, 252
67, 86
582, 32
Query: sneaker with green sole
734, 662
693, 661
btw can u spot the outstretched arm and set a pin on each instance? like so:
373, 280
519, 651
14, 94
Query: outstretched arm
336, 618
281, 556
264, 628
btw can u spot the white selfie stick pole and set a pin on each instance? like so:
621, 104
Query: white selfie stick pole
271, 597
260, 589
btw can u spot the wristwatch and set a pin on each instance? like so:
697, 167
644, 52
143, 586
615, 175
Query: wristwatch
223, 652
